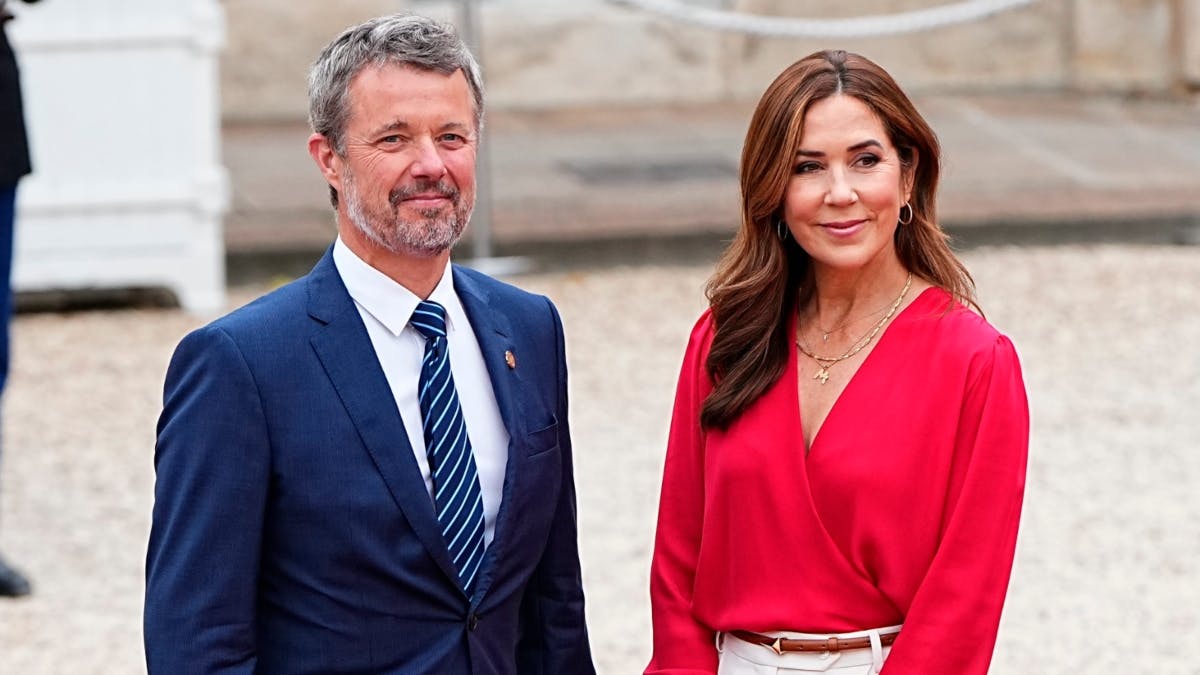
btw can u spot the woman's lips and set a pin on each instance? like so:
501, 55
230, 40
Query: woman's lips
844, 228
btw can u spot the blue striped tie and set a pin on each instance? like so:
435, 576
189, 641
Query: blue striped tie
456, 492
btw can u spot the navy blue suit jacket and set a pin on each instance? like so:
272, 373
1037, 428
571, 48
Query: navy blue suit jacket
292, 531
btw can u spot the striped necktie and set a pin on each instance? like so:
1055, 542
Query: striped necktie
456, 493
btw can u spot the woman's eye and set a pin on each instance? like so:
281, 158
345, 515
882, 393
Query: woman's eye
807, 167
868, 160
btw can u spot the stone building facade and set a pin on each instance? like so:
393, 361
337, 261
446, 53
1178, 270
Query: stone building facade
547, 54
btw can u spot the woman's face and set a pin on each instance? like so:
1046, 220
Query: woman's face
847, 186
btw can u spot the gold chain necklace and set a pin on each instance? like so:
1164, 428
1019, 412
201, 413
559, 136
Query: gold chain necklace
826, 362
826, 332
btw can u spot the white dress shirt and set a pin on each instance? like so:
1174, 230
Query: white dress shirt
386, 307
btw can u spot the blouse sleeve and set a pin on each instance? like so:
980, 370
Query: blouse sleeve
682, 645
952, 622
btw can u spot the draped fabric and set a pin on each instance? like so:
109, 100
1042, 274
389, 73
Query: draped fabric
905, 510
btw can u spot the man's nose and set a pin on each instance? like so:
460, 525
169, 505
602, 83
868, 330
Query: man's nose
428, 162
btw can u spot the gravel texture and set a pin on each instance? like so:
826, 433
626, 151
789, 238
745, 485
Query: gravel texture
1108, 568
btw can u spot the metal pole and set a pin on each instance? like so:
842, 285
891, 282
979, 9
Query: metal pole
481, 220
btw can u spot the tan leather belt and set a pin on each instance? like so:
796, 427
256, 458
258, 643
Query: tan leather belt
831, 644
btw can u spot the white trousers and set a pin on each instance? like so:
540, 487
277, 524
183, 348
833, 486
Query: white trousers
738, 657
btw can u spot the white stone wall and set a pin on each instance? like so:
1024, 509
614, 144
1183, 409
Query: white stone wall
540, 54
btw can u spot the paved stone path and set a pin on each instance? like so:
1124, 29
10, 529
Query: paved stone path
1017, 168
1108, 571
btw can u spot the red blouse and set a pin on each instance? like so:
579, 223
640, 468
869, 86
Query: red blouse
905, 510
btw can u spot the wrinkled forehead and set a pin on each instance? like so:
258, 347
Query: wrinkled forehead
401, 90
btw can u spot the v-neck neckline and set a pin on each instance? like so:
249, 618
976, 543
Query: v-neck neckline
794, 368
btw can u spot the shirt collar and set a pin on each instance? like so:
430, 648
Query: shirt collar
391, 304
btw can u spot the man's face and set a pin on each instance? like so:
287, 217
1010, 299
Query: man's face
407, 180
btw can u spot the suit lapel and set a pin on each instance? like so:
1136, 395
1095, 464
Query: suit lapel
494, 332
344, 348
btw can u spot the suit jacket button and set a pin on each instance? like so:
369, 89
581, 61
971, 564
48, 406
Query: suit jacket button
472, 621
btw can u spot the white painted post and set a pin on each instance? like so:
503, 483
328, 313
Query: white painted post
121, 100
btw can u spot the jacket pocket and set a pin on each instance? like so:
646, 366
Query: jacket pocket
542, 440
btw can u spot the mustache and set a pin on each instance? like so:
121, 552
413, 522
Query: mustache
423, 186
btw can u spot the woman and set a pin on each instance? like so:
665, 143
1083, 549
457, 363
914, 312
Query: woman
847, 454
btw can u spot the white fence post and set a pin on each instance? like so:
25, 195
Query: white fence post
121, 100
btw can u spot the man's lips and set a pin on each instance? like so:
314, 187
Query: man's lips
426, 199
424, 195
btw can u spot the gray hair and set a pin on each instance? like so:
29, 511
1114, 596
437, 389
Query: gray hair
398, 39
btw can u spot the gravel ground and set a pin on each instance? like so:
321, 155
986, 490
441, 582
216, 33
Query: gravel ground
1108, 571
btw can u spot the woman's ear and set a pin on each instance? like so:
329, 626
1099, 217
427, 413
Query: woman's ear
909, 174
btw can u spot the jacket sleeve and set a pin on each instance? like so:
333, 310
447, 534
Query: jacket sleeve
555, 638
212, 476
682, 645
952, 622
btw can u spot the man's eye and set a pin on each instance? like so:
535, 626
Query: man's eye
390, 139
452, 138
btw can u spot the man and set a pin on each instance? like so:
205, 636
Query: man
14, 163
320, 505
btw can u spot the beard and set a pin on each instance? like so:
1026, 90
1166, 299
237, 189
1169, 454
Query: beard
431, 232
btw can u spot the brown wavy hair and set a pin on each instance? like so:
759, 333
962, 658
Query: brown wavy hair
760, 281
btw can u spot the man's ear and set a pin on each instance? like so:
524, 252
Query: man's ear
327, 160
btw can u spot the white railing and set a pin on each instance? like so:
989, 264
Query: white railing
864, 26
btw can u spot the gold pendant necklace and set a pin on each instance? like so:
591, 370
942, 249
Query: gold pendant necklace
824, 363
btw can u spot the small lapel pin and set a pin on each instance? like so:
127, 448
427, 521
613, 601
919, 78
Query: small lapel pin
510, 360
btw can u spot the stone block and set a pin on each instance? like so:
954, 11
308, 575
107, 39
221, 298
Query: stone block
270, 45
1191, 43
546, 54
1022, 48
591, 53
1123, 45
536, 53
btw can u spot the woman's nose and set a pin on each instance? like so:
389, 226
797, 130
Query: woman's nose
840, 191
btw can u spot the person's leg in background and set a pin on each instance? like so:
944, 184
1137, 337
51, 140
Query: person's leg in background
12, 583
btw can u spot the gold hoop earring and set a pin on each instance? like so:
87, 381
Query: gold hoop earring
901, 219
